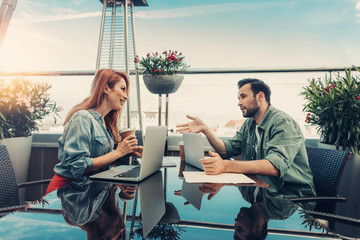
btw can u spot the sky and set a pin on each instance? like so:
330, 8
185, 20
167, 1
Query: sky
62, 35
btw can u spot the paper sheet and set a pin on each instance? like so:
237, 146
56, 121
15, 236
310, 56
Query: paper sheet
201, 177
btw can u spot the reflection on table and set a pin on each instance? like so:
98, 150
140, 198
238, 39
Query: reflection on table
163, 206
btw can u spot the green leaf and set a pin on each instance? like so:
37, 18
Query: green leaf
2, 116
334, 108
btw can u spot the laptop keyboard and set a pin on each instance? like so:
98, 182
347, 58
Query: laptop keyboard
132, 173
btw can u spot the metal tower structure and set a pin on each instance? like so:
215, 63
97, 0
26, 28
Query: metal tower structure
7, 7
116, 50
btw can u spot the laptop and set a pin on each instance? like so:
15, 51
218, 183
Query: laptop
152, 202
193, 148
166, 161
152, 157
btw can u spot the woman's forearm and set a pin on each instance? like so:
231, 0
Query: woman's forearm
104, 160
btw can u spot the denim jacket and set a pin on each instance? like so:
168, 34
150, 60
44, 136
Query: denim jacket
84, 205
84, 138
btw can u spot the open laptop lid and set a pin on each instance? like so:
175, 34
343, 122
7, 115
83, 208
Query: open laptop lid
153, 153
152, 159
193, 148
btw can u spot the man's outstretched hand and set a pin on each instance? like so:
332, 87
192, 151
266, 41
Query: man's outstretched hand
195, 126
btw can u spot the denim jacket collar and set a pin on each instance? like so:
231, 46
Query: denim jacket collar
95, 114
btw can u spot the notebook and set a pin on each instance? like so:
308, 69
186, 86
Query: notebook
152, 157
193, 148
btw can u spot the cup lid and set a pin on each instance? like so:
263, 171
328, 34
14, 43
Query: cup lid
127, 130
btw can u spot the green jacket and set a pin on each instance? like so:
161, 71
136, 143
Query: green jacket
282, 143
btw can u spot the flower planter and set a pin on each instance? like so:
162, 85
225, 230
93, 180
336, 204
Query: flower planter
333, 107
19, 149
163, 84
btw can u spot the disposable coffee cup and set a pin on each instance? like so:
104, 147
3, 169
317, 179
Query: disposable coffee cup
127, 132
182, 152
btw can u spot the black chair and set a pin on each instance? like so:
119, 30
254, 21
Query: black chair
333, 218
327, 167
9, 196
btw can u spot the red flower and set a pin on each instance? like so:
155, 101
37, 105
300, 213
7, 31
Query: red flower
171, 58
358, 98
163, 62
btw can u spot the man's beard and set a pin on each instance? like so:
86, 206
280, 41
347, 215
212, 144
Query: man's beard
250, 112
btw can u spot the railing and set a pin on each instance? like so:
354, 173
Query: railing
191, 71
50, 141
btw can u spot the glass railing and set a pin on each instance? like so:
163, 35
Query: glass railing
210, 94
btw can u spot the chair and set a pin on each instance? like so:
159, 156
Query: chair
327, 167
333, 218
9, 197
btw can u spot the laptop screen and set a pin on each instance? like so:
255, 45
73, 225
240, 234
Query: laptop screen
193, 148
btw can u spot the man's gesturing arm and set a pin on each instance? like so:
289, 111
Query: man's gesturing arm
197, 126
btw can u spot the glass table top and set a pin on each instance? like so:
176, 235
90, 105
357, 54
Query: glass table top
162, 206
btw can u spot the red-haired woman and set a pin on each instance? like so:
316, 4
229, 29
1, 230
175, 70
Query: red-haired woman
90, 131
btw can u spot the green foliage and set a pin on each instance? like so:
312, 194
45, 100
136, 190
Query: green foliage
310, 222
333, 106
167, 63
162, 231
23, 104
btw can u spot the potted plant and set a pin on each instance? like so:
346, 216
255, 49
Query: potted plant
333, 106
23, 104
161, 71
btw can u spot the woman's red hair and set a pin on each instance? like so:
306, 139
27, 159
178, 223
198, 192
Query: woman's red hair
103, 78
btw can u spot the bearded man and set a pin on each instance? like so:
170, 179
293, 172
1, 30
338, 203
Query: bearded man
269, 142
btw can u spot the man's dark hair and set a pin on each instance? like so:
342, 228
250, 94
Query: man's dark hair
252, 236
256, 86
